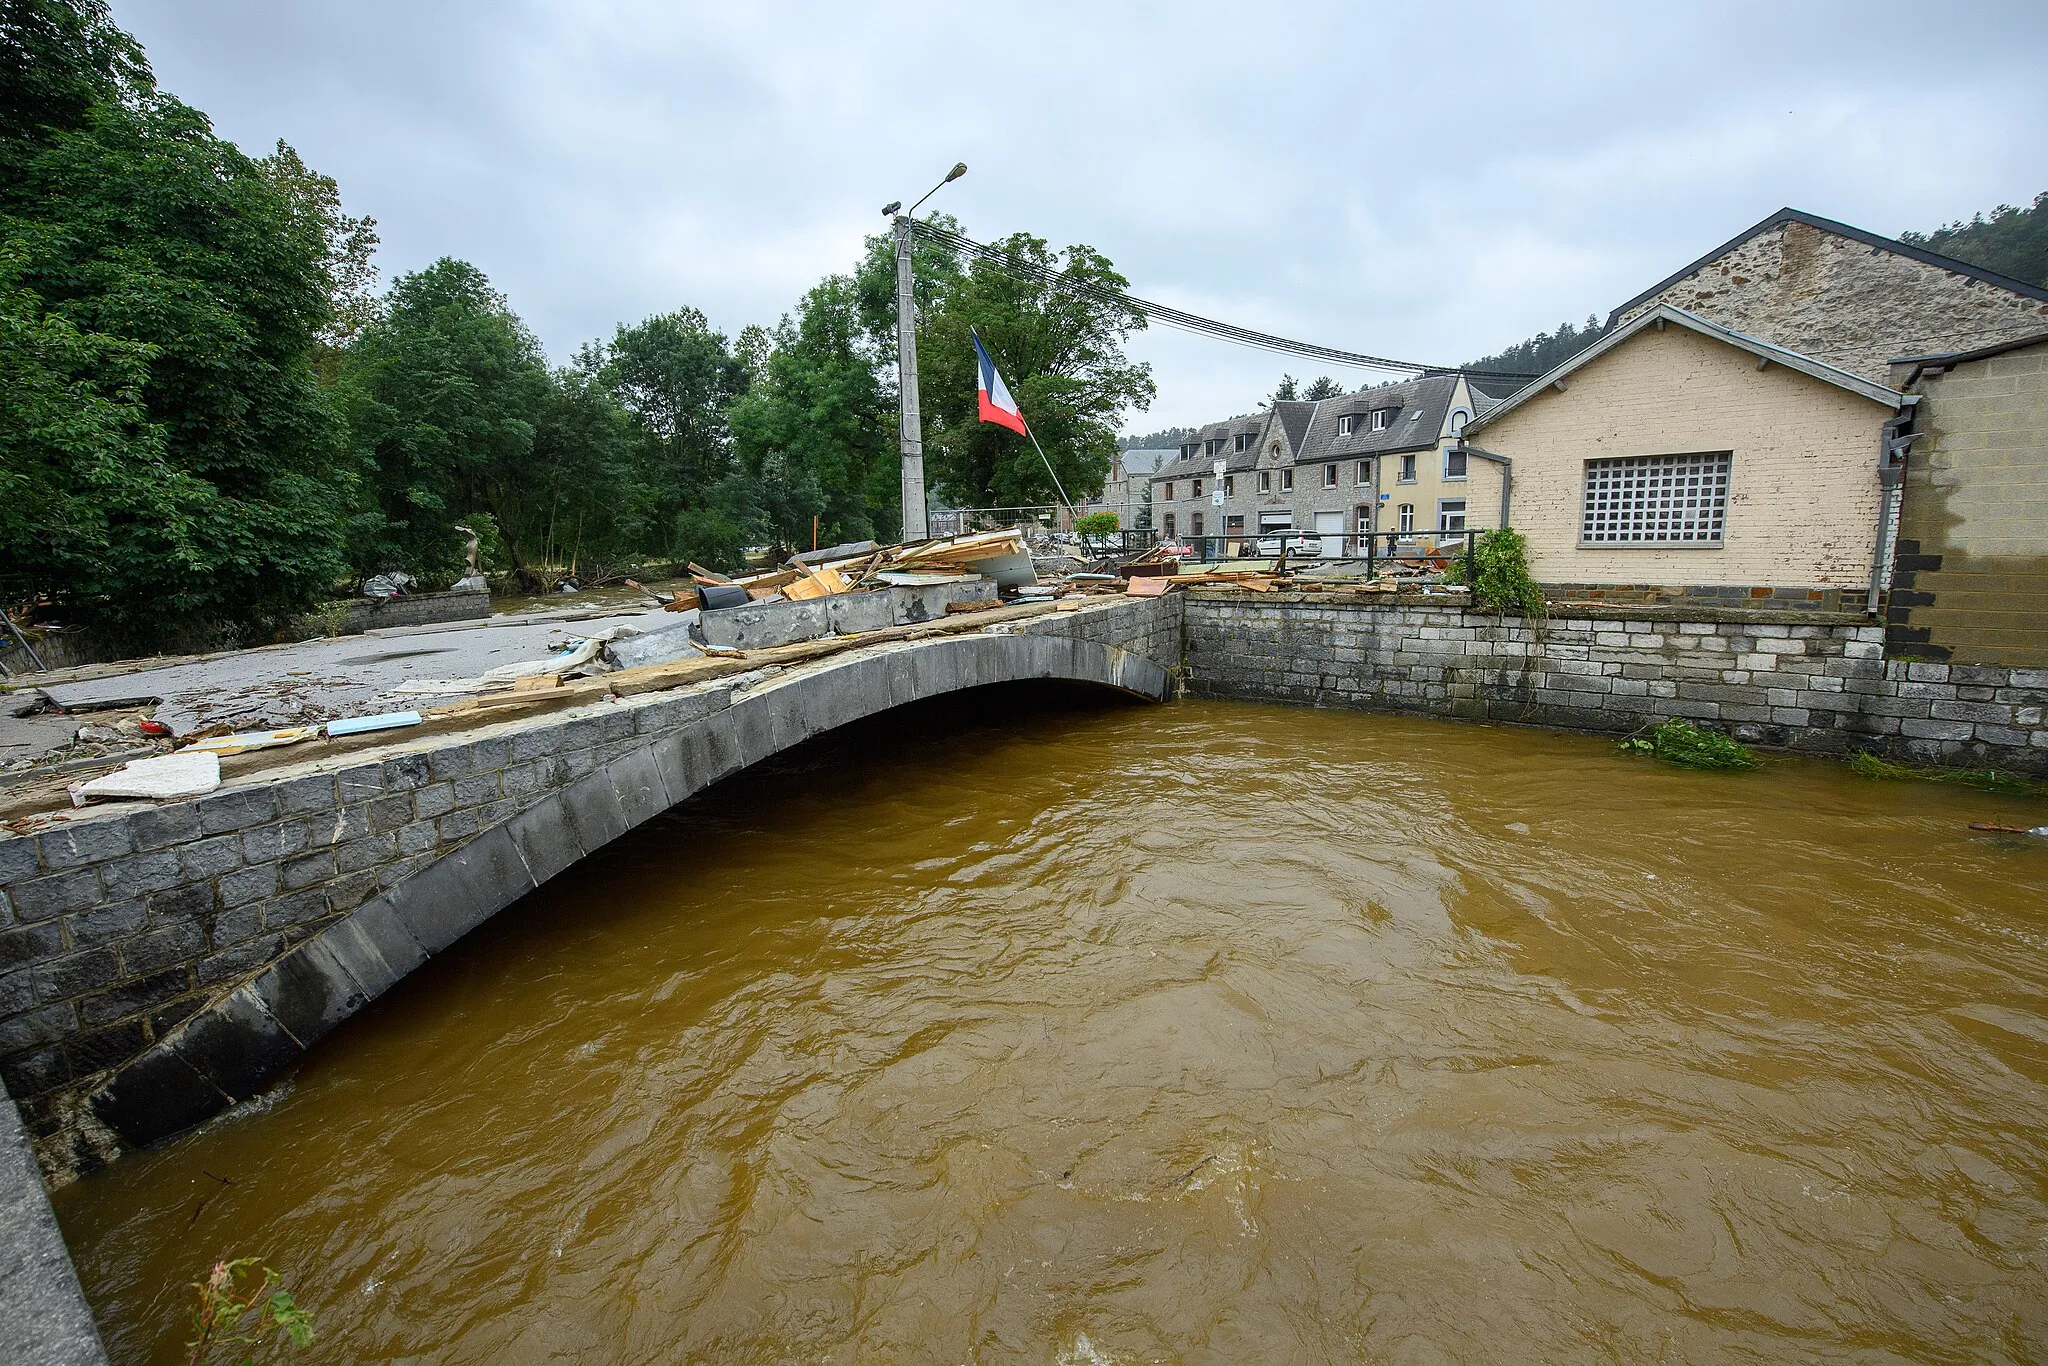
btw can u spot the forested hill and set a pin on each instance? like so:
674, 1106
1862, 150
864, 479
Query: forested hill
2011, 241
1165, 440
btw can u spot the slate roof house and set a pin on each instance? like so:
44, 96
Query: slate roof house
1322, 467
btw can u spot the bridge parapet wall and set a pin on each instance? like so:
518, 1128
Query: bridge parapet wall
303, 893
1802, 680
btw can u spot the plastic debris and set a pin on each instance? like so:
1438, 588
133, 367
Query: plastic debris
358, 725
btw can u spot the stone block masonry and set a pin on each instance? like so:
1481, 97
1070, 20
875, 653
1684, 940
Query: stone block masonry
1802, 680
190, 949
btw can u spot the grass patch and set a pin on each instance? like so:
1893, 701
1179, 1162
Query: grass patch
1680, 742
1867, 765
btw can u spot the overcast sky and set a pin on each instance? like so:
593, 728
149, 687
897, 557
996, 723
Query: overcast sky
1429, 181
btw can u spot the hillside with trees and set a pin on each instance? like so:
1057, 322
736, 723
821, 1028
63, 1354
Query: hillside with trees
2010, 240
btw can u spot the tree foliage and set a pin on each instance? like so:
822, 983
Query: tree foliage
213, 417
2011, 241
1059, 348
162, 299
1543, 351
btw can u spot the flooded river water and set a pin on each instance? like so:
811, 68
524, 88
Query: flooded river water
1214, 1032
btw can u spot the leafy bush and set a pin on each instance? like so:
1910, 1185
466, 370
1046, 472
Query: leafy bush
1097, 524
226, 1304
1502, 559
1681, 742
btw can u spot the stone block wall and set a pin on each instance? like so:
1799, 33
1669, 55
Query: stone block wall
1782, 679
1838, 300
1970, 581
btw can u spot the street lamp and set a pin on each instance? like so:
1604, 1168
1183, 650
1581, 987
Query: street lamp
916, 523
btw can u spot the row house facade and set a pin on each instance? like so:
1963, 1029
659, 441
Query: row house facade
1380, 462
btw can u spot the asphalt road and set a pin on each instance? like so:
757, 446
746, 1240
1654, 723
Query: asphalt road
312, 681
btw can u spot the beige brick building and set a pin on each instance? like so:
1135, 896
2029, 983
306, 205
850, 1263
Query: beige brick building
1971, 578
1845, 296
1680, 458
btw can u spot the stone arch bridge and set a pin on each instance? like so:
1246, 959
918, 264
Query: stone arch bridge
178, 957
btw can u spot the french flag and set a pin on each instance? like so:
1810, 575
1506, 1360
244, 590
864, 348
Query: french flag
996, 404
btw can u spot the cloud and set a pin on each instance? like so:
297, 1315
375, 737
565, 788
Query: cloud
1431, 182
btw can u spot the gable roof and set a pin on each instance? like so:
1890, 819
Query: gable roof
1420, 406
1296, 417
1742, 341
1869, 239
1144, 460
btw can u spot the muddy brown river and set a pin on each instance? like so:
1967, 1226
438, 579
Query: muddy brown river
1210, 1033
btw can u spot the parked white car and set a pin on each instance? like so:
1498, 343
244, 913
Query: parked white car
1269, 546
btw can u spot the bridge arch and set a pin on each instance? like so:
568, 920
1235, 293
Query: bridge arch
238, 1043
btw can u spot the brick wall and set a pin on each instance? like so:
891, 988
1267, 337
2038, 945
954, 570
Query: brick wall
1802, 500
1776, 678
1970, 584
1838, 300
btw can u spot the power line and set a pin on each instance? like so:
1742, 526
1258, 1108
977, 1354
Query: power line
1184, 321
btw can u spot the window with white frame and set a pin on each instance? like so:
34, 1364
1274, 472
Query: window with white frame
1362, 476
1454, 464
1407, 522
1347, 424
1244, 442
1450, 514
1329, 476
1215, 444
1383, 418
1459, 417
1656, 500
1287, 481
1265, 481
1407, 469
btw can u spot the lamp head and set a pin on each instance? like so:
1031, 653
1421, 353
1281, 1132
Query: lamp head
959, 169
890, 210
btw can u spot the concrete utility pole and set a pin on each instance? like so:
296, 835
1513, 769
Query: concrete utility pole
916, 524
916, 521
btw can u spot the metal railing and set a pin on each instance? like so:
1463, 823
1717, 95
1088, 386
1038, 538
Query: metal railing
1414, 551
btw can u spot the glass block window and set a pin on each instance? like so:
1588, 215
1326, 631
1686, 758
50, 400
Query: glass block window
1656, 500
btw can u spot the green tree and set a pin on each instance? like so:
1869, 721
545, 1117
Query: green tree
155, 276
1288, 390
677, 376
2011, 241
1058, 345
1323, 387
816, 435
443, 392
351, 243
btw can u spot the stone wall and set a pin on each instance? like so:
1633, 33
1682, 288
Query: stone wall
1787, 679
1845, 302
120, 928
1970, 582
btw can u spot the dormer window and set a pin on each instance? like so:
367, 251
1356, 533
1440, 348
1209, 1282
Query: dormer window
1244, 442
1215, 444
1347, 424
1383, 418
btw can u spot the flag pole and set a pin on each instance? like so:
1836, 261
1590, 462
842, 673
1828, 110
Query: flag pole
1071, 510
